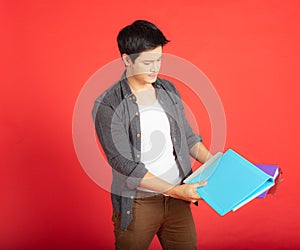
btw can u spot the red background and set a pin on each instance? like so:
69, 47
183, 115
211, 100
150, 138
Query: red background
248, 49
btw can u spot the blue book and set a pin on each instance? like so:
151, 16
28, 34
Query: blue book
232, 181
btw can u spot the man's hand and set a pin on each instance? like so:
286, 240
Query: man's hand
187, 192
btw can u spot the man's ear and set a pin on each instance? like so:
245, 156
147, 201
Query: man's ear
126, 59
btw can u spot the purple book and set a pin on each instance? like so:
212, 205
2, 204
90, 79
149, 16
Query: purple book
272, 170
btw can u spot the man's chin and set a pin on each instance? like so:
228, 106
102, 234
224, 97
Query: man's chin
151, 79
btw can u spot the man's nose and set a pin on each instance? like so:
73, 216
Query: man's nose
155, 66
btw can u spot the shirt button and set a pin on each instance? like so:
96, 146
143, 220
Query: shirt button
174, 139
128, 212
137, 113
138, 156
138, 135
130, 98
131, 197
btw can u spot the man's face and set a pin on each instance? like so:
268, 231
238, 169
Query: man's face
146, 66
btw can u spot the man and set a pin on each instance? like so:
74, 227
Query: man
147, 140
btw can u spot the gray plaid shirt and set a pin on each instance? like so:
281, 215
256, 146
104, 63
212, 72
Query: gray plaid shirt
117, 123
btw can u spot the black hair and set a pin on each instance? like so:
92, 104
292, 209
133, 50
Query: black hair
140, 36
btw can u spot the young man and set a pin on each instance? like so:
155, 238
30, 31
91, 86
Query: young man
142, 128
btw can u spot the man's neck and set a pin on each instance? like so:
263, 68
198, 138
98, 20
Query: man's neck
144, 92
138, 86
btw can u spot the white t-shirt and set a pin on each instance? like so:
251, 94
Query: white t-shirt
156, 145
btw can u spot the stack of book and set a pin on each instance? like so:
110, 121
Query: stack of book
233, 181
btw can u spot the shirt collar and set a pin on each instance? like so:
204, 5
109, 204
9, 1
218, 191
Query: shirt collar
126, 89
125, 86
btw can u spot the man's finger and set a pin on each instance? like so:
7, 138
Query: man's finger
201, 183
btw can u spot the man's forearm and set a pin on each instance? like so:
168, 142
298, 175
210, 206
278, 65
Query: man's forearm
154, 183
186, 192
200, 152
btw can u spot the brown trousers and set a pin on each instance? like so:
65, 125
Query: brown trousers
168, 218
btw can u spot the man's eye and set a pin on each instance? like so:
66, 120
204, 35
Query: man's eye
147, 63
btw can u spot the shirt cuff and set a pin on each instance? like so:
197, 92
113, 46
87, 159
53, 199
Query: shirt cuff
136, 176
193, 140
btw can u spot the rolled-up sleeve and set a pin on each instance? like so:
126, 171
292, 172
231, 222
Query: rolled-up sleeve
114, 138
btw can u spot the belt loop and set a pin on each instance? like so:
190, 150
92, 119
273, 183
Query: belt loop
166, 199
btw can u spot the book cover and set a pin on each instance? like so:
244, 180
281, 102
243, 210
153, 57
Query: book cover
233, 181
